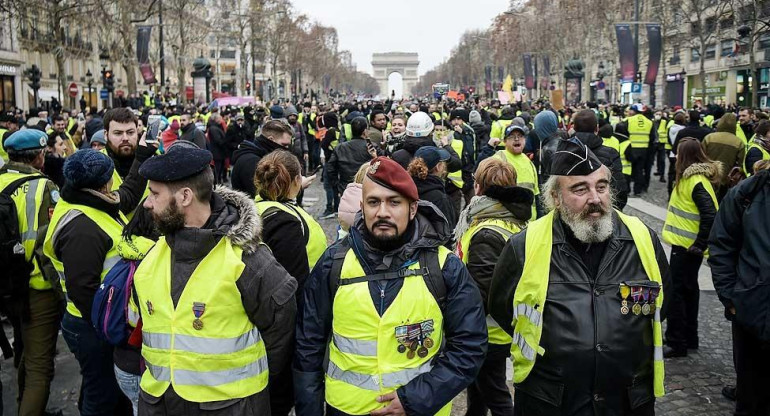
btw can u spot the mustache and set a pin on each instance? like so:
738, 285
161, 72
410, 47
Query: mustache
383, 222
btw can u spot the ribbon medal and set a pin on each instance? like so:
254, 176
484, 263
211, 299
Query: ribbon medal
645, 296
636, 294
625, 291
198, 309
654, 292
414, 340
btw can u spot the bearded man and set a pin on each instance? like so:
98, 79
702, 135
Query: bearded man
581, 291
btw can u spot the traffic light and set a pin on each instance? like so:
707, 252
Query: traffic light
34, 77
248, 88
109, 80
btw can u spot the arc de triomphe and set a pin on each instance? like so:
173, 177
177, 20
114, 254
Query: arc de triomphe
405, 63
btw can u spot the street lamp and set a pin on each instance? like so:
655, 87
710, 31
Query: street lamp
89, 82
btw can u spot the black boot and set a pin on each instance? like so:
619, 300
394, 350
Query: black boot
669, 352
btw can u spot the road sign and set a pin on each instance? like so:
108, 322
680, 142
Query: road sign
636, 88
73, 90
103, 94
600, 85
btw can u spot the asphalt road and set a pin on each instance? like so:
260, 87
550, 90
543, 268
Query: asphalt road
693, 384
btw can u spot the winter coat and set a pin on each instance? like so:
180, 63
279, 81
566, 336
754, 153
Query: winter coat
738, 247
346, 159
350, 205
245, 161
726, 148
544, 156
217, 141
610, 158
192, 134
267, 290
465, 333
482, 135
468, 158
702, 199
693, 130
432, 189
411, 144
235, 136
597, 360
283, 233
299, 142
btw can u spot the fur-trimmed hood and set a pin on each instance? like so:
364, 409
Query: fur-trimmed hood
238, 219
711, 170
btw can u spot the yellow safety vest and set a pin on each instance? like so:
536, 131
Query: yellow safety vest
529, 301
708, 121
741, 135
639, 128
316, 238
147, 100
206, 346
526, 174
498, 129
3, 153
662, 132
627, 166
436, 116
666, 141
614, 120
456, 177
62, 215
28, 199
765, 156
117, 181
612, 143
505, 229
683, 218
368, 353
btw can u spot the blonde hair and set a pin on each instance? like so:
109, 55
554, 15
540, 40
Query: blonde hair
361, 174
275, 174
494, 172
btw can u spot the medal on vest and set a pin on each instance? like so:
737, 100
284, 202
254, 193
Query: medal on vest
625, 291
150, 309
646, 306
636, 294
654, 292
198, 309
414, 339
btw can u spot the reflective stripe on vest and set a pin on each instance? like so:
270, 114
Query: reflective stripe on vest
683, 218
456, 177
223, 355
506, 230
639, 128
62, 215
3, 153
365, 361
526, 174
316, 240
627, 167
529, 300
28, 199
765, 156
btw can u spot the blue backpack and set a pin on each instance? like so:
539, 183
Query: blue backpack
109, 314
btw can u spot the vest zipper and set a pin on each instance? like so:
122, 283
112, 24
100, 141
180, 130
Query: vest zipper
382, 298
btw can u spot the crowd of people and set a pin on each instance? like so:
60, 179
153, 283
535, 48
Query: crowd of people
187, 278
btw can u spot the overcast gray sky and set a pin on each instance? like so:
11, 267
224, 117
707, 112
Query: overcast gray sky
428, 27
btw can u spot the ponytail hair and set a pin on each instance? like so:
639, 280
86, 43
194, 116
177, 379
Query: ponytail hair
275, 175
417, 168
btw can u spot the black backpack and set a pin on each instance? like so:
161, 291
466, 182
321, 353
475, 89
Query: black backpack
431, 273
15, 270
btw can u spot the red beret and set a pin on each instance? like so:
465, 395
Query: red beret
388, 173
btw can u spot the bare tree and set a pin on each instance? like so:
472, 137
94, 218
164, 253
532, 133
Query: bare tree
752, 20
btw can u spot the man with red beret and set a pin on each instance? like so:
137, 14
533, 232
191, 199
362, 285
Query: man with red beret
399, 314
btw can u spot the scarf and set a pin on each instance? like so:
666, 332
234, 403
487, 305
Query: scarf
482, 208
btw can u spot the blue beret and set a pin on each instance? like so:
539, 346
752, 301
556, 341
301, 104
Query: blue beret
88, 169
27, 139
178, 163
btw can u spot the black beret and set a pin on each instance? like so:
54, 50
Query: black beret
178, 163
573, 158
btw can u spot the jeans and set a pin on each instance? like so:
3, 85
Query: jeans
682, 329
332, 198
489, 391
129, 385
314, 153
99, 391
39, 334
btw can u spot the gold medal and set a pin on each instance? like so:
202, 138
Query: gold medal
625, 291
410, 354
198, 324
646, 309
422, 352
637, 308
413, 346
427, 343
624, 309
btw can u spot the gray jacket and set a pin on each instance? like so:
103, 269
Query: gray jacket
267, 295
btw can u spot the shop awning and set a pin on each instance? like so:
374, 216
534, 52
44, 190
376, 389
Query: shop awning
44, 94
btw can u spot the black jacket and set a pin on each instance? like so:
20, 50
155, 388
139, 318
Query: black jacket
738, 247
544, 155
592, 350
610, 158
702, 199
411, 144
217, 141
235, 135
191, 133
284, 234
464, 328
267, 290
753, 156
432, 189
691, 130
245, 161
482, 135
344, 162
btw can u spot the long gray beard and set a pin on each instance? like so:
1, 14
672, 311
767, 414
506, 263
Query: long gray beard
588, 230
